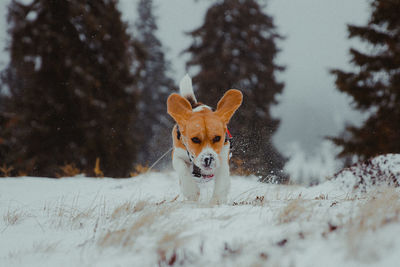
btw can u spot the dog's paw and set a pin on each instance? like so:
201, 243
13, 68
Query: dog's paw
192, 196
218, 200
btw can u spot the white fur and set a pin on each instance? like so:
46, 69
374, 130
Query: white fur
207, 151
186, 88
182, 164
200, 108
190, 189
222, 178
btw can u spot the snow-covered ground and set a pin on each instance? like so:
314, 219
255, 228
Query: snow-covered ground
143, 221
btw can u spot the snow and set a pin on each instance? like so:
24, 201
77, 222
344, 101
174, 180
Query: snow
312, 168
384, 169
143, 221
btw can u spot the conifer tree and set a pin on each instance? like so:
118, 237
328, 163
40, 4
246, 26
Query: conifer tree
3, 123
374, 85
72, 87
236, 48
154, 125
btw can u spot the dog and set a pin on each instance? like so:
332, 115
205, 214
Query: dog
200, 141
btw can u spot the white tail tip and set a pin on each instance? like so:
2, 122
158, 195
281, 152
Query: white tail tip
186, 88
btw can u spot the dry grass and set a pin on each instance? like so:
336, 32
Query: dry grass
45, 247
139, 169
71, 214
381, 209
276, 193
97, 171
71, 217
293, 210
169, 249
68, 170
6, 170
13, 217
37, 248
128, 208
126, 234
150, 228
322, 197
22, 173
257, 201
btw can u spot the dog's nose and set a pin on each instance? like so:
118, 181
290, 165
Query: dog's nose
208, 160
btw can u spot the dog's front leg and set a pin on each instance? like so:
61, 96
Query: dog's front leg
188, 186
222, 179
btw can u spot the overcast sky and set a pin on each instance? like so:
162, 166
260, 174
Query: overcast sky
316, 40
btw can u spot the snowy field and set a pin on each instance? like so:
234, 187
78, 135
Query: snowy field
352, 220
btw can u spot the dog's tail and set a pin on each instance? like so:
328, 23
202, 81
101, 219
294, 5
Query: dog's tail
186, 90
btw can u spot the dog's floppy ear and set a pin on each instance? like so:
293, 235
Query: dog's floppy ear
179, 108
228, 104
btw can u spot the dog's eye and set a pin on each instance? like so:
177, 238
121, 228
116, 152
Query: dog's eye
196, 140
216, 139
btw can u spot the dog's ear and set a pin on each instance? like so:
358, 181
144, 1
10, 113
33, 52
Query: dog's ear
228, 104
179, 108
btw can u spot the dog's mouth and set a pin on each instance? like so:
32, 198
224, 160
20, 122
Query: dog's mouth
203, 172
208, 171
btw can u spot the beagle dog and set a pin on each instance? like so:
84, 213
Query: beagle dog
200, 141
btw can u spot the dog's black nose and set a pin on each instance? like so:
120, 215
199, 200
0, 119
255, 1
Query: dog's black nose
208, 161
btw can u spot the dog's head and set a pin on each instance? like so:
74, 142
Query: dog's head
203, 131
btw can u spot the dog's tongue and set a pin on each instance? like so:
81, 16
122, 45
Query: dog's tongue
207, 176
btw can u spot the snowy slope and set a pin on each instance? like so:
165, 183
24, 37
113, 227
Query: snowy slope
143, 221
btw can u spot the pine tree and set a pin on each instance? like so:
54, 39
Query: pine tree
235, 48
3, 125
154, 124
375, 84
72, 87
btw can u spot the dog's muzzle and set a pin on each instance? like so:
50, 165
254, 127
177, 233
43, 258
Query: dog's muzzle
199, 177
207, 161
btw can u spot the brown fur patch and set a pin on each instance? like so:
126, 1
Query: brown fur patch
203, 125
193, 103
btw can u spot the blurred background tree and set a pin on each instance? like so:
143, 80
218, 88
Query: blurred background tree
3, 124
71, 87
375, 84
236, 48
154, 124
